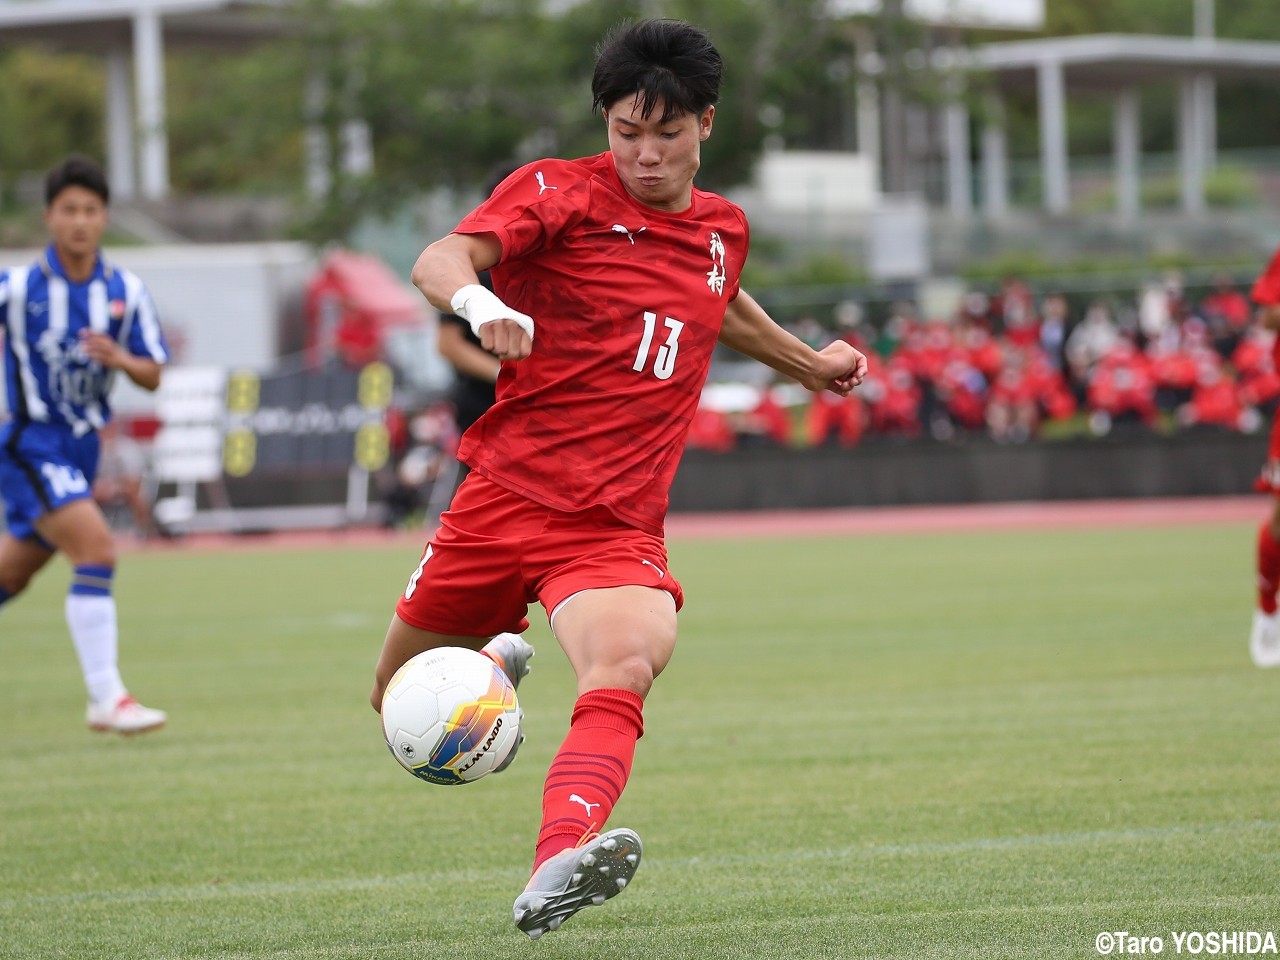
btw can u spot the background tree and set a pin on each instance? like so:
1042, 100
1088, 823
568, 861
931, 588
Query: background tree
51, 104
448, 88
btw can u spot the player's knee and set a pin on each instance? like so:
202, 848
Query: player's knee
13, 583
92, 552
101, 554
375, 697
635, 673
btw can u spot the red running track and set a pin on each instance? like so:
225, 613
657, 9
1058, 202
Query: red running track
834, 522
971, 516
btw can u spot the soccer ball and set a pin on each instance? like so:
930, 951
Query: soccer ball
450, 715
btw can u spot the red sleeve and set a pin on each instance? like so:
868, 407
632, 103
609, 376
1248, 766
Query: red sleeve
531, 207
1266, 292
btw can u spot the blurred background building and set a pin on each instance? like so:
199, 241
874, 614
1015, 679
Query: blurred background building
1040, 217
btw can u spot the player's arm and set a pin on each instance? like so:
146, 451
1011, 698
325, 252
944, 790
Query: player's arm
103, 350
448, 274
748, 329
464, 355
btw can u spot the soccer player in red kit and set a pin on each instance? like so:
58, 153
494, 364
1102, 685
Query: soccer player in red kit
1264, 639
613, 280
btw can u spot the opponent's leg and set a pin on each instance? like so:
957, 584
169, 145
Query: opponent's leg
20, 560
81, 532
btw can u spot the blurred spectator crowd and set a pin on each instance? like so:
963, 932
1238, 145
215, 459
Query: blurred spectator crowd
1013, 367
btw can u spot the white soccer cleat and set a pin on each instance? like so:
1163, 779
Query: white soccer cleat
126, 716
1264, 639
513, 652
585, 876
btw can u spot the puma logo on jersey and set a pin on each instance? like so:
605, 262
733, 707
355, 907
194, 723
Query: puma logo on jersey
543, 186
574, 798
619, 228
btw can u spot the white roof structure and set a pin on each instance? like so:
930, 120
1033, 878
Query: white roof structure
94, 25
134, 32
996, 14
1106, 60
1117, 66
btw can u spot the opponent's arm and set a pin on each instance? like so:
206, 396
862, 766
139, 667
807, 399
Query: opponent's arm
104, 350
448, 274
747, 328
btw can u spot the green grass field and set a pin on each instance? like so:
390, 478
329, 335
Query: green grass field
962, 745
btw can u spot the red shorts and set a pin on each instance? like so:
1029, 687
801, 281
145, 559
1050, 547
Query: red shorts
496, 552
1268, 479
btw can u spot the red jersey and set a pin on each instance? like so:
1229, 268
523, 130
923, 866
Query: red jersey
627, 303
1266, 293
1266, 290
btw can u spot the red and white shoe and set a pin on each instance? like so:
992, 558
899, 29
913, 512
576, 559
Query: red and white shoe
126, 716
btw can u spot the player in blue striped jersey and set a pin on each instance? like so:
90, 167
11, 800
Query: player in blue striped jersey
72, 322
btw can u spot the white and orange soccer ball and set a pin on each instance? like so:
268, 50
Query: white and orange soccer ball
450, 716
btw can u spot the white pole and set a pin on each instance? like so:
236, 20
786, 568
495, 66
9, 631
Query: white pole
120, 128
995, 162
148, 62
1126, 146
1051, 87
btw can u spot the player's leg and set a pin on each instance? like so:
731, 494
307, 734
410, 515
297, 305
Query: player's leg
20, 560
617, 639
80, 531
512, 653
1264, 638
402, 643
22, 553
466, 591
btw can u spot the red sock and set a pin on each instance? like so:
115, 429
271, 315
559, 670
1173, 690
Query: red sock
589, 773
1268, 569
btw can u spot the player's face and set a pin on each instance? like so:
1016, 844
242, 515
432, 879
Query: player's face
76, 220
656, 161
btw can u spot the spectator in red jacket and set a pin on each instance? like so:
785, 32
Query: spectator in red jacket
1257, 380
1012, 413
893, 400
1228, 313
832, 419
1122, 390
1213, 402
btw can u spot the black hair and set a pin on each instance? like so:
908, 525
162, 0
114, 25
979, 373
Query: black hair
658, 60
76, 171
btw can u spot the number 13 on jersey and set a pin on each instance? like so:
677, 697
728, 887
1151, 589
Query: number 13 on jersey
664, 363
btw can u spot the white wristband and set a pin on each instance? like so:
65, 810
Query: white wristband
479, 305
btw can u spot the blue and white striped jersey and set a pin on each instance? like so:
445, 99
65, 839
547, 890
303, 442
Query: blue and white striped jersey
48, 376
